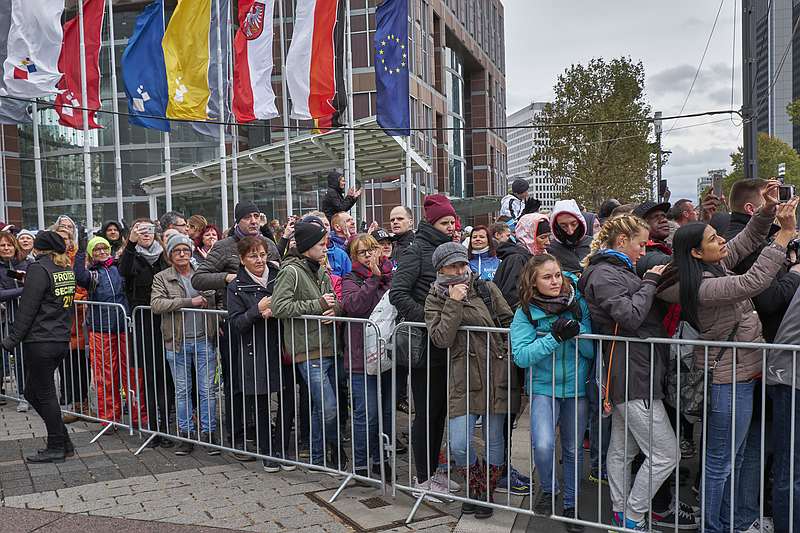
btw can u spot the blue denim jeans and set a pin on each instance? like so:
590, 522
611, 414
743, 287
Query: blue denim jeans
320, 377
198, 357
784, 488
718, 450
367, 441
546, 414
461, 429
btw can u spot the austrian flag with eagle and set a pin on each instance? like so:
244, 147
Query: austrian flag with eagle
253, 96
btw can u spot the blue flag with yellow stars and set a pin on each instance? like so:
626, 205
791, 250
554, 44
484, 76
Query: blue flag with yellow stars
391, 67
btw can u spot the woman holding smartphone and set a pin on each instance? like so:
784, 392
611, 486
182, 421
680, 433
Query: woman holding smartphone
142, 258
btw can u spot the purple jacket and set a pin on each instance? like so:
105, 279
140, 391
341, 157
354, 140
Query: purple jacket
361, 292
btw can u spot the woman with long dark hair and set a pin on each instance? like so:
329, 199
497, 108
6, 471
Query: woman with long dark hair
717, 304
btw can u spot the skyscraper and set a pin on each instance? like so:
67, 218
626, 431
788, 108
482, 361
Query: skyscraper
522, 143
777, 78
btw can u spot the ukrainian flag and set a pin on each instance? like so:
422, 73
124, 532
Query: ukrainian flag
188, 58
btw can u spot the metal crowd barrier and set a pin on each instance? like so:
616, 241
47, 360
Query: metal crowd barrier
290, 408
432, 381
253, 395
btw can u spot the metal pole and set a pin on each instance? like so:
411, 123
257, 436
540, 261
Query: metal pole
3, 177
749, 113
287, 161
87, 161
37, 167
409, 183
115, 115
235, 127
657, 126
351, 134
167, 154
223, 167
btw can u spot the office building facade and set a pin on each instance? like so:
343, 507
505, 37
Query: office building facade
522, 143
457, 69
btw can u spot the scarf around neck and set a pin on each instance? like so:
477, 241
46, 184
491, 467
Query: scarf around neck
443, 282
151, 254
262, 280
555, 305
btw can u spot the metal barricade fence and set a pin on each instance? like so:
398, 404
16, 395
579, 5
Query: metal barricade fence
646, 422
92, 380
244, 385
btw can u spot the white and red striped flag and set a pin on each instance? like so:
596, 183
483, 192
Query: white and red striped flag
69, 102
253, 97
311, 61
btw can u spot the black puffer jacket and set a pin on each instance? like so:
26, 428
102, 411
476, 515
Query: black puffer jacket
512, 260
772, 303
45, 309
138, 274
415, 274
335, 201
401, 242
617, 297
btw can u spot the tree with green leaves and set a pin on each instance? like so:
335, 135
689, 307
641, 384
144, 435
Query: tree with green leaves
771, 152
595, 162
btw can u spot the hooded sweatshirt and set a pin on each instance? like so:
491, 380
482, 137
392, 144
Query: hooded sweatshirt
569, 249
526, 232
335, 201
115, 244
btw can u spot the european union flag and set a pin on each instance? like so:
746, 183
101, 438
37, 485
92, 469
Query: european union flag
143, 71
391, 67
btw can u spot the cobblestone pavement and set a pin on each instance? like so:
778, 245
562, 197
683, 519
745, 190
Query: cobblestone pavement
105, 481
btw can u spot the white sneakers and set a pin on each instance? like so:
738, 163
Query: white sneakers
765, 525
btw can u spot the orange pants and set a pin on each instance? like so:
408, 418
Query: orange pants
109, 356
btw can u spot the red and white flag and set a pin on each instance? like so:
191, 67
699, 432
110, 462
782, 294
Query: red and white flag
253, 97
68, 103
30, 69
311, 61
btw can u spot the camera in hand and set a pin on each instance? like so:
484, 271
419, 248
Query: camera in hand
793, 252
785, 192
18, 275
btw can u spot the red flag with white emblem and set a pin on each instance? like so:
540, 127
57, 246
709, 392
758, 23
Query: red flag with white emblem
253, 96
68, 104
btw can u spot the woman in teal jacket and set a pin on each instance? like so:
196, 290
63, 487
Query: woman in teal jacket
551, 313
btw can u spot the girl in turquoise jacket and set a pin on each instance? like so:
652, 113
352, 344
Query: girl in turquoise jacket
551, 313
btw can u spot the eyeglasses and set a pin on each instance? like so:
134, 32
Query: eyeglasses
180, 225
365, 253
100, 249
182, 251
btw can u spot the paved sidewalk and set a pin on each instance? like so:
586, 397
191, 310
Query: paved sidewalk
159, 491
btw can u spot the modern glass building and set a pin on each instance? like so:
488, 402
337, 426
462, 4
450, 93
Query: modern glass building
457, 67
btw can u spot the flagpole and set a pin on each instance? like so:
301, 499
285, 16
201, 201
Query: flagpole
235, 127
3, 176
87, 161
223, 168
351, 134
409, 182
37, 168
115, 116
287, 161
167, 151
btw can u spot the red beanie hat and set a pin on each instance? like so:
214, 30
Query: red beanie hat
437, 206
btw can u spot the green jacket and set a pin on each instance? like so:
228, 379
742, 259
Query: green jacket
298, 291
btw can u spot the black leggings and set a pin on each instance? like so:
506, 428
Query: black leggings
429, 418
41, 361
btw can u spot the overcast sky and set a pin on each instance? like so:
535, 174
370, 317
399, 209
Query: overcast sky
544, 37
